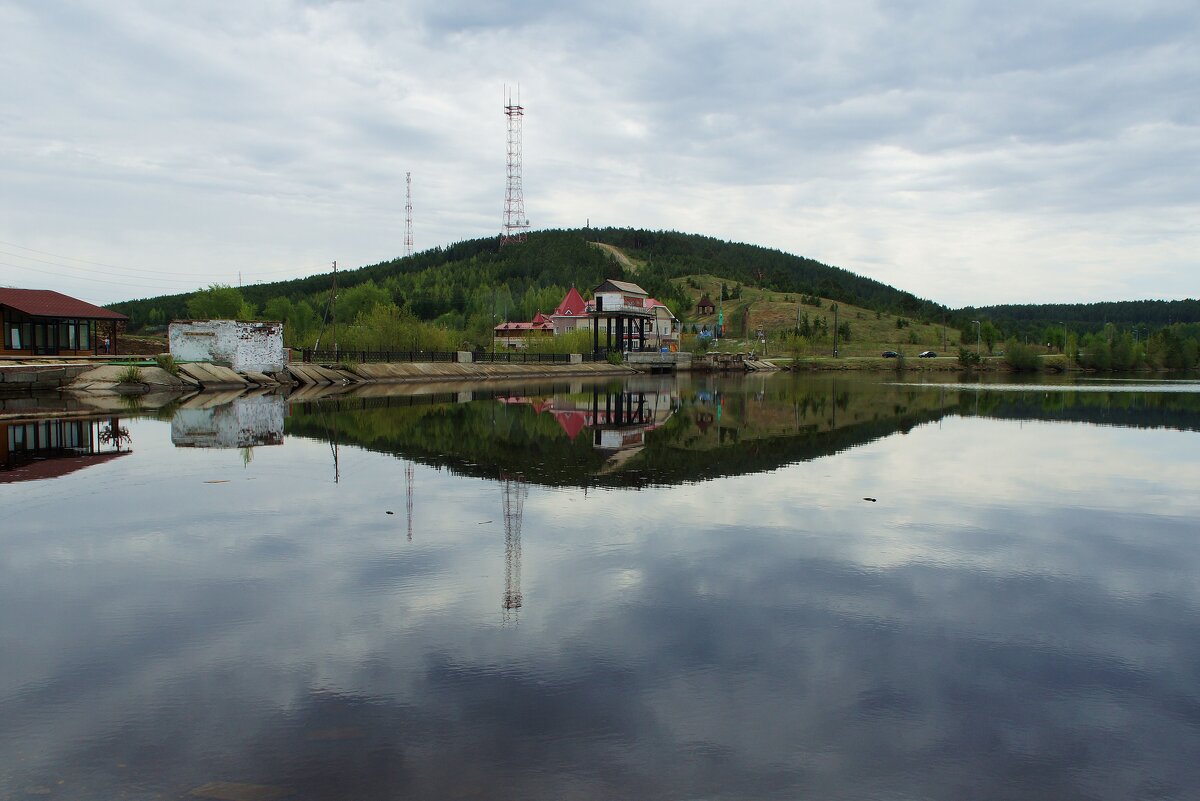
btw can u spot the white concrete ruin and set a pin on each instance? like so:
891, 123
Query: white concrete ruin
241, 346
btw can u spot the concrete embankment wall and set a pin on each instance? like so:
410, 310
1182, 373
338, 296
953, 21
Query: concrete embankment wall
197, 376
24, 380
396, 372
442, 371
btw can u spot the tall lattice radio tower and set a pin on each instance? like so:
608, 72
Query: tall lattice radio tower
515, 224
408, 245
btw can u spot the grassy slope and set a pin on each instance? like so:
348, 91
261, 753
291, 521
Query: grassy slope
777, 311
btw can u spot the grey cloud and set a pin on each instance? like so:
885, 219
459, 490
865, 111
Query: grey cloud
1026, 116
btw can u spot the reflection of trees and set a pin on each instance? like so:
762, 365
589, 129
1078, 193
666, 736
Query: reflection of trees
1128, 409
730, 429
735, 430
113, 433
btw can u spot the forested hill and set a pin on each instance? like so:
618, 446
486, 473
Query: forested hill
673, 255
468, 285
1088, 317
454, 280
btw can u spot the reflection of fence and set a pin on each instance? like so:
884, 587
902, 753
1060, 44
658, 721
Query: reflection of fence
521, 357
363, 356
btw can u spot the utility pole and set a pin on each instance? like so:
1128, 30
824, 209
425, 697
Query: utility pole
333, 310
835, 330
721, 314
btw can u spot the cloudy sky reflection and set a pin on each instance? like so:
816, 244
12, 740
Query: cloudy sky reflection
984, 629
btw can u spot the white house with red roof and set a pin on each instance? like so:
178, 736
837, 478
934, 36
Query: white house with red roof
666, 325
576, 314
571, 314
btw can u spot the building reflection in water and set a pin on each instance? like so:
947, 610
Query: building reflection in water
49, 448
220, 422
618, 421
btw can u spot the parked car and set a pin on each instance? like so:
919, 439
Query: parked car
926, 354
890, 354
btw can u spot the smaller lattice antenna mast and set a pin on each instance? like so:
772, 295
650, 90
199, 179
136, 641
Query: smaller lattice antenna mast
408, 243
515, 223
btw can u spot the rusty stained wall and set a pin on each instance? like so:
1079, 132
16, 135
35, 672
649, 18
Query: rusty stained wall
239, 345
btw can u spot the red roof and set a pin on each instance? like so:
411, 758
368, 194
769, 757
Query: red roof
572, 304
534, 326
48, 303
571, 422
55, 467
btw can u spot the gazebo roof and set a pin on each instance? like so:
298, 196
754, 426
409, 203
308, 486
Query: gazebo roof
623, 287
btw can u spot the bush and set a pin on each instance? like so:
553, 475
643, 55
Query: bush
616, 357
1020, 357
967, 357
167, 362
130, 375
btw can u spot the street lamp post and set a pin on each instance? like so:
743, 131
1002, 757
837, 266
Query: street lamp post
835, 330
977, 347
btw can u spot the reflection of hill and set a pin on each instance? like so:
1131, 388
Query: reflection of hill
713, 428
731, 429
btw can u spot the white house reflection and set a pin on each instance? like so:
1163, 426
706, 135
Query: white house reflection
215, 421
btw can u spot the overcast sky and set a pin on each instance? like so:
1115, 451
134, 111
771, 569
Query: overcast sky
968, 152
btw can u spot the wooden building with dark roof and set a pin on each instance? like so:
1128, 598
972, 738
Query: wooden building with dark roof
42, 322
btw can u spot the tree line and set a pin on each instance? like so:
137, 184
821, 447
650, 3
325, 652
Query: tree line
455, 295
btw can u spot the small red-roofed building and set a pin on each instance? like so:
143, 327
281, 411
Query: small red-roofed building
517, 335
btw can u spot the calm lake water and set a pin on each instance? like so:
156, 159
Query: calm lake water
766, 588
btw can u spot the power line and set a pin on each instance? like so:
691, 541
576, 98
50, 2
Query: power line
142, 284
130, 269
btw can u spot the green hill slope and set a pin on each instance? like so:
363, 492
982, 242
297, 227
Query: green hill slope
455, 279
467, 287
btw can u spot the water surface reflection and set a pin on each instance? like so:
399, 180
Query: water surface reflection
1013, 617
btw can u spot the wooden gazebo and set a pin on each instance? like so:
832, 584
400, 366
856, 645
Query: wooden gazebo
621, 310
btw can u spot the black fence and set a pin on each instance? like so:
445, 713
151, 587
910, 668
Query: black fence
364, 356
521, 357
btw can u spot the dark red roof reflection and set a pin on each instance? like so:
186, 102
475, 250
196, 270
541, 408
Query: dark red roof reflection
55, 467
